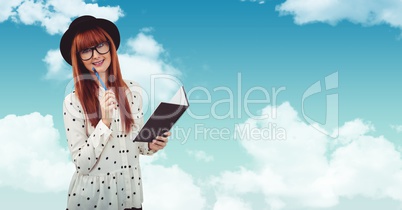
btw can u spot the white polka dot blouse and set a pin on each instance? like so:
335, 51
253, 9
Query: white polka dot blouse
108, 174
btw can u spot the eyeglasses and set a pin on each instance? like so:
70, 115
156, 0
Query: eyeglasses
101, 48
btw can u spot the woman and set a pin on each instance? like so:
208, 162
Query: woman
101, 120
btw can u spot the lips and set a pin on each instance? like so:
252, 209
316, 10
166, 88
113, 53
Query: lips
99, 63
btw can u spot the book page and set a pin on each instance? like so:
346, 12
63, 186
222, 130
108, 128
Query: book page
180, 97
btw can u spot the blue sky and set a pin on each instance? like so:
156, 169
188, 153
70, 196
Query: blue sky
225, 53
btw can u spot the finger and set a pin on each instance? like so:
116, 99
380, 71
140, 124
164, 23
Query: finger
110, 104
110, 108
109, 96
109, 92
159, 143
106, 93
167, 134
155, 146
160, 138
110, 101
106, 101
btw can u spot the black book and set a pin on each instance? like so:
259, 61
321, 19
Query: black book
164, 117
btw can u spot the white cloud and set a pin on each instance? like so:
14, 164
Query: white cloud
57, 68
31, 158
369, 12
259, 1
165, 186
369, 166
147, 30
200, 156
352, 130
242, 181
29, 12
145, 45
298, 172
303, 171
54, 15
397, 128
145, 61
227, 202
7, 8
170, 188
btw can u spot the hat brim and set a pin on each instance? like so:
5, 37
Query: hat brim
90, 22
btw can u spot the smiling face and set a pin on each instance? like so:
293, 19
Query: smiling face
93, 50
100, 58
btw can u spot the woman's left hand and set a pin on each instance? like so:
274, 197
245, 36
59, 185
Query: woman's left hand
159, 142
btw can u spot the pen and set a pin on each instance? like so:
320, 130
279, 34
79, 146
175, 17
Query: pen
100, 80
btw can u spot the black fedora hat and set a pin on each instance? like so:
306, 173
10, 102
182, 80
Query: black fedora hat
84, 23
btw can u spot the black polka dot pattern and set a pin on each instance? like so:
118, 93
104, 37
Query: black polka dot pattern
106, 159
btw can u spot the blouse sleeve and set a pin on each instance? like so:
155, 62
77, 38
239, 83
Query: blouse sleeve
85, 150
144, 146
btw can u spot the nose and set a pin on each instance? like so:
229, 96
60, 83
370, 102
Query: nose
95, 53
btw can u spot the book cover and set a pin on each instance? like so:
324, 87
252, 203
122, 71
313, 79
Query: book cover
164, 117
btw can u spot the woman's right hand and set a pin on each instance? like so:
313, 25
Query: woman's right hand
108, 103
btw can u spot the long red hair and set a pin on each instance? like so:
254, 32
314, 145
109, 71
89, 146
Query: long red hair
87, 88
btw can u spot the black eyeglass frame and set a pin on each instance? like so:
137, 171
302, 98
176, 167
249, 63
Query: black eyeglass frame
92, 50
